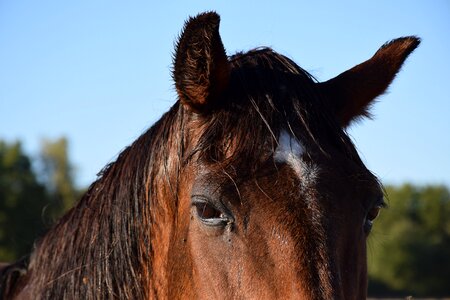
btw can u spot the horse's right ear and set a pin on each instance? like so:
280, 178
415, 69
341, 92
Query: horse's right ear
201, 68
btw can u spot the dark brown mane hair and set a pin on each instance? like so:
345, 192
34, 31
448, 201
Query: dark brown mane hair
102, 248
268, 92
98, 249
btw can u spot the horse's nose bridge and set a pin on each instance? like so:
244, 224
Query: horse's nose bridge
328, 264
291, 219
308, 267
303, 237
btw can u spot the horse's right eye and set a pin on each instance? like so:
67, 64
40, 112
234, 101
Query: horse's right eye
209, 213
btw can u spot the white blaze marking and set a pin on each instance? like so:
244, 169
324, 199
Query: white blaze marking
289, 151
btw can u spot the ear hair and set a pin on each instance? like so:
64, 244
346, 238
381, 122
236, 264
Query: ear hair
201, 68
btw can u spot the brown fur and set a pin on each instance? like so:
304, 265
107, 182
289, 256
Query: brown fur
138, 232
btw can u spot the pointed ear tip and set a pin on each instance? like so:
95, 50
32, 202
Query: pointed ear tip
407, 44
208, 17
208, 21
411, 42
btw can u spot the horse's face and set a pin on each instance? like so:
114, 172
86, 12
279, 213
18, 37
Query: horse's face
284, 210
291, 230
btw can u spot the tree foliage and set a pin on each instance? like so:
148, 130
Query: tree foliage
56, 173
409, 250
22, 198
30, 201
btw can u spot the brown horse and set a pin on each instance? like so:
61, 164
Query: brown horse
248, 187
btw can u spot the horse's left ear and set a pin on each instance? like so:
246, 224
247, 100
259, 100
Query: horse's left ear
351, 93
201, 68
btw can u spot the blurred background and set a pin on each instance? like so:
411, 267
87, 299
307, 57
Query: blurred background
81, 80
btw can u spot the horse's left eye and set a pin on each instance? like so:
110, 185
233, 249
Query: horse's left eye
209, 213
372, 214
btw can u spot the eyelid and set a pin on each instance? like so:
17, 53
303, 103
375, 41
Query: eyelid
196, 198
372, 202
380, 202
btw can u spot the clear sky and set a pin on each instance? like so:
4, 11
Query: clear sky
98, 72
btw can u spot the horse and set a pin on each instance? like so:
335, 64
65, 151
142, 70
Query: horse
247, 188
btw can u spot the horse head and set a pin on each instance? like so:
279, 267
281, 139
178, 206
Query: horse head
274, 201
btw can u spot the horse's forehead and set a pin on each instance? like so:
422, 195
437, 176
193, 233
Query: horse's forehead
290, 151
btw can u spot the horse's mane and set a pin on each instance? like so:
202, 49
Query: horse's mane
10, 276
102, 248
96, 250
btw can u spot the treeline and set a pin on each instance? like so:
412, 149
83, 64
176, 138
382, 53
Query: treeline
408, 249
34, 192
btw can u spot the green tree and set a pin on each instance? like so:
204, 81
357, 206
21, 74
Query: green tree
22, 199
31, 201
56, 173
409, 250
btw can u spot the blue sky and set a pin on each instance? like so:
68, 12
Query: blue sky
98, 72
